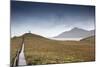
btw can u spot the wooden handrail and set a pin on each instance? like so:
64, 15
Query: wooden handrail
16, 59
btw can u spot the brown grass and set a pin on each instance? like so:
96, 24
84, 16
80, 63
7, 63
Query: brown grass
15, 46
39, 50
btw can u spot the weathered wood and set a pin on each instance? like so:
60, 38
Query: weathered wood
16, 59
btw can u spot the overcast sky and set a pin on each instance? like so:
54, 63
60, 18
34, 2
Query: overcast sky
49, 19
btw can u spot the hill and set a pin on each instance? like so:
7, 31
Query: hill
40, 50
76, 33
89, 39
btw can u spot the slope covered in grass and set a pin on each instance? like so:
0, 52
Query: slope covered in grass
15, 46
89, 39
40, 50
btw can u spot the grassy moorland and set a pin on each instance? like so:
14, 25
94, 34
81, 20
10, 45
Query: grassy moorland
39, 50
15, 46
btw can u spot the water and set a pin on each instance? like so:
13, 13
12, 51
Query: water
22, 60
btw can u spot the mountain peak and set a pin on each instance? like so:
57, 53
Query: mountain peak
77, 29
75, 33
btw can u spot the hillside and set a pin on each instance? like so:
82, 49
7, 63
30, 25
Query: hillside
89, 39
40, 50
76, 33
15, 46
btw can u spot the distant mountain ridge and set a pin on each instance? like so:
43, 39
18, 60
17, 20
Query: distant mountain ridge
76, 33
38, 37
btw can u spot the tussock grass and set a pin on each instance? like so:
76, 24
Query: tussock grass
15, 46
39, 50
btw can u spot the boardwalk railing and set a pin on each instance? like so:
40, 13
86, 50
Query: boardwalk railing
16, 59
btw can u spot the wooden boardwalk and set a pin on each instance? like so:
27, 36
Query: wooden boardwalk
19, 59
22, 61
